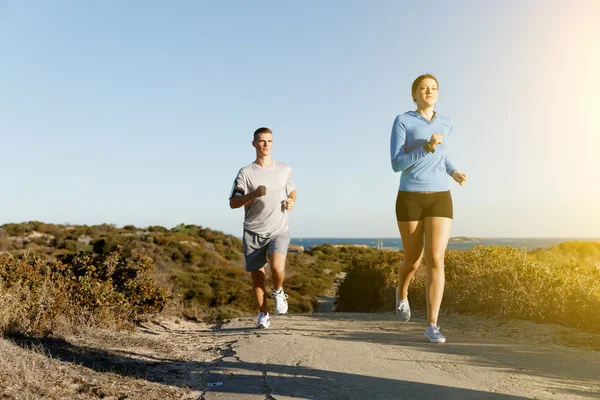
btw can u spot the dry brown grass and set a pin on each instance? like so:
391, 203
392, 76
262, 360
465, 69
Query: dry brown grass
29, 372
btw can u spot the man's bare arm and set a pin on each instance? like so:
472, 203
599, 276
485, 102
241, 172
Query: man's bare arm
240, 201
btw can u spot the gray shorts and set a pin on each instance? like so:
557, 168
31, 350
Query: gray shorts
256, 248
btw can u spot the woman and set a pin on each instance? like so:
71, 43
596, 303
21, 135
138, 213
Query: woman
424, 204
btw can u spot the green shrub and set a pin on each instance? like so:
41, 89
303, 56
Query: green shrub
368, 282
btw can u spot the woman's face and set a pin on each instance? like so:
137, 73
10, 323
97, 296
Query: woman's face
427, 93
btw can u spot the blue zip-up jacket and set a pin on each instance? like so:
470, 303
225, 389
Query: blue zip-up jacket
421, 171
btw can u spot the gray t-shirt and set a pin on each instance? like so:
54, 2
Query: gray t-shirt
265, 216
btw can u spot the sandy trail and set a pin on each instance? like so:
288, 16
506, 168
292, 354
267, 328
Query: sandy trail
322, 356
373, 356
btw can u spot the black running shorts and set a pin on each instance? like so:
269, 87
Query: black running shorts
416, 206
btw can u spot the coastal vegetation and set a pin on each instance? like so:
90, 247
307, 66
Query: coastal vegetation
54, 278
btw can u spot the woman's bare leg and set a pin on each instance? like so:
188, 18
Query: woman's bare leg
411, 233
437, 233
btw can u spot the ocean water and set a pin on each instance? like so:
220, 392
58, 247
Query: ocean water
454, 244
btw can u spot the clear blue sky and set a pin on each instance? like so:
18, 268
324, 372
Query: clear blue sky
142, 112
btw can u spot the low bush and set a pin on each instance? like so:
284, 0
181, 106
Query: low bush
39, 296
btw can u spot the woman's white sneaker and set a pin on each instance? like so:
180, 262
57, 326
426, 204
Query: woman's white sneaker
434, 335
402, 309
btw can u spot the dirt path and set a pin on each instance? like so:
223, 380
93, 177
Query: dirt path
326, 303
319, 356
372, 356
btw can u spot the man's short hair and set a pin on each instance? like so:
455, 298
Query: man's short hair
261, 130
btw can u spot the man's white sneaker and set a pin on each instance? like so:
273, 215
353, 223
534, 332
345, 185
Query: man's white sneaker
402, 309
263, 321
281, 304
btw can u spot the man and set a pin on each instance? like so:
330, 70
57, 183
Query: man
266, 190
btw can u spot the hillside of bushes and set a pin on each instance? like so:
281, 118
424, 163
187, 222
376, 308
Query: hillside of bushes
53, 275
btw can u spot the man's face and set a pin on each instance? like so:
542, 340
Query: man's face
263, 144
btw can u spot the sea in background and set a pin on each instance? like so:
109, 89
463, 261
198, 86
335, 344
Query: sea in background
457, 243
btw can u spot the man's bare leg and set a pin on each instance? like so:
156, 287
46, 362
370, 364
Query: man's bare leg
258, 287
